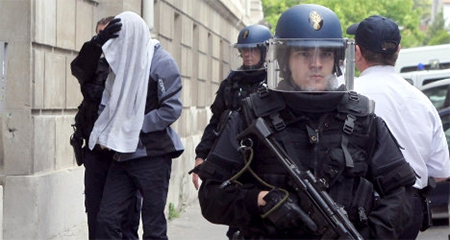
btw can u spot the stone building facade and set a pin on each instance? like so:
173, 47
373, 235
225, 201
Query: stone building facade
41, 186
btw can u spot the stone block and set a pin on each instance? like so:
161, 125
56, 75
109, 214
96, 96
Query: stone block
226, 51
132, 5
38, 81
17, 141
54, 80
9, 12
73, 91
65, 24
202, 120
203, 67
85, 24
203, 39
47, 206
188, 6
216, 48
186, 62
45, 24
18, 81
64, 157
186, 94
216, 67
203, 98
166, 21
44, 143
187, 31
193, 90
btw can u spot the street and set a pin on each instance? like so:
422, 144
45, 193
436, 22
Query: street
441, 231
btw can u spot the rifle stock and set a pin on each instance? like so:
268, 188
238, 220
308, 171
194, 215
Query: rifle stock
331, 219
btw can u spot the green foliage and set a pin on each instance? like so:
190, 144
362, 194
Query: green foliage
173, 213
408, 14
438, 32
273, 9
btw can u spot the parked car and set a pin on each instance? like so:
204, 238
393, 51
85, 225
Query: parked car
440, 196
425, 57
439, 94
423, 78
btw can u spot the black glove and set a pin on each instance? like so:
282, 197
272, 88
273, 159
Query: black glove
288, 215
109, 32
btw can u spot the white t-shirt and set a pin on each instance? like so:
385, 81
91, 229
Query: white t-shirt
412, 119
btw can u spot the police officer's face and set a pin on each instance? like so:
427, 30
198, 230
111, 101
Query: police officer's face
311, 68
250, 56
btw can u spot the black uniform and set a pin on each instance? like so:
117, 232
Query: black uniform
91, 71
334, 135
237, 86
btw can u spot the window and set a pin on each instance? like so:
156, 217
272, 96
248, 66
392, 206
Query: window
438, 95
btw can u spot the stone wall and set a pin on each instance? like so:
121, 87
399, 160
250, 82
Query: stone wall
42, 187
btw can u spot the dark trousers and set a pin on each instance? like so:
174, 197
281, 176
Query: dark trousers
412, 229
149, 175
97, 163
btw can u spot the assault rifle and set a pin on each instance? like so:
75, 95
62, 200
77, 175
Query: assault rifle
331, 219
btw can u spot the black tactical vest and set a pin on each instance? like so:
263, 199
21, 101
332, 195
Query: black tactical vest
333, 141
240, 85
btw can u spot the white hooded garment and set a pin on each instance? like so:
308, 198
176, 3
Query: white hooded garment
129, 57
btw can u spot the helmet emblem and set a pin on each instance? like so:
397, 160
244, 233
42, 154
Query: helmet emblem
245, 34
315, 20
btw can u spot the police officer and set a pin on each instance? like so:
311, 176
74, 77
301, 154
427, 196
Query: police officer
323, 128
91, 70
247, 75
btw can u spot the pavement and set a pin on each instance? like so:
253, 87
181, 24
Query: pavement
192, 225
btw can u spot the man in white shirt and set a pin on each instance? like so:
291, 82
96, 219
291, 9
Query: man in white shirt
409, 114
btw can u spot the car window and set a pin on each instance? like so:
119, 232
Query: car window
438, 96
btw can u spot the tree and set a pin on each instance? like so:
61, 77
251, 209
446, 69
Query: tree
437, 32
406, 13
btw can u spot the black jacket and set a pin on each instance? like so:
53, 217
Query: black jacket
237, 86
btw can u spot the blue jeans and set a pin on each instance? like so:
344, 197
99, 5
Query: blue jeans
97, 163
149, 175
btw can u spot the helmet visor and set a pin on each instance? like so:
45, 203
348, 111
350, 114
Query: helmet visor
306, 65
247, 57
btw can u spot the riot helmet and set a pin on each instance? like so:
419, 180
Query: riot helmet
249, 52
307, 52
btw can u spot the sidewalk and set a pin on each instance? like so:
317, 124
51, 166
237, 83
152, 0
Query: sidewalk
191, 225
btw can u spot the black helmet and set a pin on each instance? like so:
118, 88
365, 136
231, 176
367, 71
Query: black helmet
251, 38
305, 26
